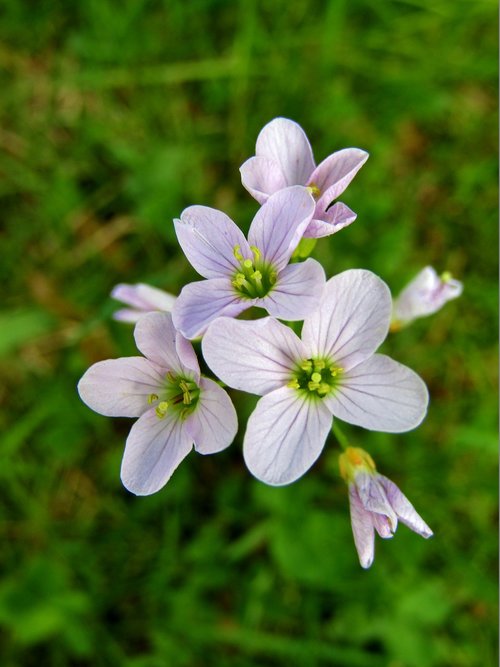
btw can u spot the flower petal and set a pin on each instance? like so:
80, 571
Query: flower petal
285, 435
262, 177
372, 495
353, 319
153, 450
329, 222
201, 302
128, 315
280, 224
404, 509
214, 423
142, 296
335, 173
381, 395
382, 525
156, 337
298, 291
208, 238
362, 529
120, 387
256, 356
285, 142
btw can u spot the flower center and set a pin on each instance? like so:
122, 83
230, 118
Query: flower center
314, 190
255, 279
179, 394
317, 377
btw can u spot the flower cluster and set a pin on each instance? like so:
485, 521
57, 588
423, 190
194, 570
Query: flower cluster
331, 372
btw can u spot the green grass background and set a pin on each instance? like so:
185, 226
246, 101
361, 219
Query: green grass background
117, 115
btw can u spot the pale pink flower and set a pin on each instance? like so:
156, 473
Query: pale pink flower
424, 295
175, 405
332, 371
376, 504
283, 157
241, 274
142, 298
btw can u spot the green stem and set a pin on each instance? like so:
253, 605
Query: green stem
341, 438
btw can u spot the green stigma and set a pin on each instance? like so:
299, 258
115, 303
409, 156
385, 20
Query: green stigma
254, 279
316, 377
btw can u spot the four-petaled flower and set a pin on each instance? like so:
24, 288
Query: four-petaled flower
332, 371
424, 295
376, 504
283, 157
242, 273
143, 299
176, 406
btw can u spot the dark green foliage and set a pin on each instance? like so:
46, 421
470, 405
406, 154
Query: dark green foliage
117, 115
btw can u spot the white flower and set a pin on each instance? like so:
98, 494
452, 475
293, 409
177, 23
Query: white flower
332, 371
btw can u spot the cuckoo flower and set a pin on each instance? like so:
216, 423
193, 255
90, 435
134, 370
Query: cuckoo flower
332, 371
376, 504
424, 295
176, 406
243, 273
143, 299
283, 157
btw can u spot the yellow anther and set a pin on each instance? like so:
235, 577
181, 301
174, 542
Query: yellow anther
186, 398
257, 276
237, 253
316, 377
272, 277
248, 264
335, 370
446, 277
314, 190
306, 365
239, 280
294, 384
312, 386
324, 388
161, 409
319, 365
152, 398
256, 252
170, 377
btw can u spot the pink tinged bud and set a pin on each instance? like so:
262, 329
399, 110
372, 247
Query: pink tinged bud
142, 299
424, 295
376, 504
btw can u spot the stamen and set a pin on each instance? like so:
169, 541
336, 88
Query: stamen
306, 365
312, 386
256, 252
152, 398
248, 264
314, 190
170, 377
446, 277
316, 377
294, 384
319, 364
324, 389
237, 253
161, 409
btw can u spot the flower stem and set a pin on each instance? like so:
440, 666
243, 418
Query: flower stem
341, 438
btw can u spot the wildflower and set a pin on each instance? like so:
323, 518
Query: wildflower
243, 273
175, 405
332, 371
424, 295
376, 504
143, 299
283, 157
